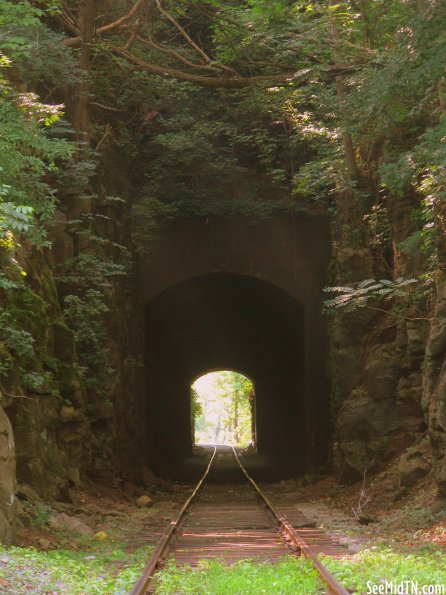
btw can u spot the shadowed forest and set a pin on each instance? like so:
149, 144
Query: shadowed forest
224, 223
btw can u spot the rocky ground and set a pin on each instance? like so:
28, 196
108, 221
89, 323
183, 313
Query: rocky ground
397, 507
134, 516
394, 506
97, 541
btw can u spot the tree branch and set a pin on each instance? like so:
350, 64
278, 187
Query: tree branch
183, 32
3, 390
229, 77
68, 19
122, 19
207, 81
75, 41
106, 107
175, 54
108, 129
391, 313
185, 61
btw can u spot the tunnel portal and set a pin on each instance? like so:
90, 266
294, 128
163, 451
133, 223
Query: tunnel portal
226, 321
225, 294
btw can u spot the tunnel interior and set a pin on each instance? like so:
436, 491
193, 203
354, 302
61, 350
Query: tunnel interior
227, 322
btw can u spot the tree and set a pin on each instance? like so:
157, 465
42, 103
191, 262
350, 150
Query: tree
226, 408
156, 40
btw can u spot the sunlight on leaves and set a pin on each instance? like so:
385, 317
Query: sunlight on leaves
223, 409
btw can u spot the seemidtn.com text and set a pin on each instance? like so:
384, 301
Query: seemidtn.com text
403, 588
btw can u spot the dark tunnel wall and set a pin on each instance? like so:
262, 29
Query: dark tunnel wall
226, 321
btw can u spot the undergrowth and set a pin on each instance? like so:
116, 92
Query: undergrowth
376, 565
287, 577
293, 576
110, 571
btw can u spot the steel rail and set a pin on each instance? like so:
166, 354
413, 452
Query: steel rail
333, 586
143, 584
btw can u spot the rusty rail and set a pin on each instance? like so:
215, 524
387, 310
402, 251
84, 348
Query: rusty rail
333, 586
143, 585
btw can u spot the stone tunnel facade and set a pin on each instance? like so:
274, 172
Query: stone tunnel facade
226, 294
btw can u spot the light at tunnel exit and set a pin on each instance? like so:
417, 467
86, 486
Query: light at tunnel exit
223, 409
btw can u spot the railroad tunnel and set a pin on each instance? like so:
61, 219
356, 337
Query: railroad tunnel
232, 322
223, 294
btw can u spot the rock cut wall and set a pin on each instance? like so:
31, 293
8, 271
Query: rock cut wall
387, 360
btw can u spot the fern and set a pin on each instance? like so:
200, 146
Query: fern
361, 293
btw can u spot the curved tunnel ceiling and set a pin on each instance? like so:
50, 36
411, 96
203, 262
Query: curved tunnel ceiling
225, 321
222, 321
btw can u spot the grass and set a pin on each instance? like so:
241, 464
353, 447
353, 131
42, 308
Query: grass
107, 571
297, 577
289, 576
379, 564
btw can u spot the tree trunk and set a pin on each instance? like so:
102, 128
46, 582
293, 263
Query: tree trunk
87, 16
253, 417
349, 152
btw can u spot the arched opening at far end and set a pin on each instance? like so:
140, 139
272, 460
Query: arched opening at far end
223, 409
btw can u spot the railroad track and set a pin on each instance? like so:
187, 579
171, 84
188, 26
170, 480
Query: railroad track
237, 521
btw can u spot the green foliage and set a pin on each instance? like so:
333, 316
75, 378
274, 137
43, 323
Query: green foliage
48, 59
377, 221
147, 212
196, 408
287, 577
318, 179
18, 341
11, 13
430, 154
216, 153
110, 571
41, 515
360, 294
13, 218
225, 408
27, 155
23, 334
378, 565
84, 286
422, 170
397, 176
88, 271
254, 151
83, 315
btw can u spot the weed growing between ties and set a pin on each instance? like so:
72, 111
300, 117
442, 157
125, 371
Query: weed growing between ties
110, 571
287, 577
375, 566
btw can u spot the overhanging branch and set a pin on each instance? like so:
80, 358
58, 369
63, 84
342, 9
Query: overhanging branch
207, 81
76, 41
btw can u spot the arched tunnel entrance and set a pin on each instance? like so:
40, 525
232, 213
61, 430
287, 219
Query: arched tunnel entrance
229, 322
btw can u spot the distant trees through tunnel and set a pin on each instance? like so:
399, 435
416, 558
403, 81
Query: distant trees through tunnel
223, 409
